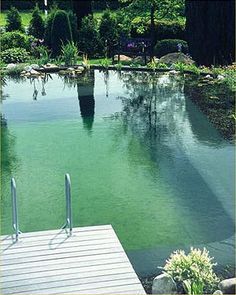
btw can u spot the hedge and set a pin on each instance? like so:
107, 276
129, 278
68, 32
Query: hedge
166, 46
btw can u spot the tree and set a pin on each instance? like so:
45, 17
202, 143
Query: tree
13, 20
164, 8
36, 26
108, 31
61, 31
82, 8
211, 31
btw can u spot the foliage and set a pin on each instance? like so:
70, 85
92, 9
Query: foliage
73, 23
36, 26
108, 31
61, 31
13, 20
164, 29
43, 54
14, 55
166, 46
48, 26
196, 267
15, 39
69, 53
105, 63
123, 23
15, 71
89, 42
170, 9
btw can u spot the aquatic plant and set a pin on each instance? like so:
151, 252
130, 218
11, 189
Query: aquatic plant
69, 53
194, 270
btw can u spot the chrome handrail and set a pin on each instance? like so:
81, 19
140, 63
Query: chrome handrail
15, 223
68, 223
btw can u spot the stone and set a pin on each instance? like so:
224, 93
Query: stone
34, 73
218, 292
35, 66
228, 286
122, 58
80, 68
50, 66
220, 77
172, 58
11, 66
173, 72
208, 77
164, 284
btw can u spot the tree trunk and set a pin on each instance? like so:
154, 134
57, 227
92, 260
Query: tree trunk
210, 31
152, 31
82, 8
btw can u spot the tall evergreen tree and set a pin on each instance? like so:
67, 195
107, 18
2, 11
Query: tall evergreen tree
210, 29
36, 26
82, 8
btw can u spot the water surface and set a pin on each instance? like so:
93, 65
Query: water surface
140, 155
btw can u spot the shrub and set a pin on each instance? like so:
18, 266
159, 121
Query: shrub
36, 26
69, 53
61, 31
13, 20
89, 42
164, 29
73, 23
48, 26
14, 55
108, 31
194, 271
15, 39
166, 46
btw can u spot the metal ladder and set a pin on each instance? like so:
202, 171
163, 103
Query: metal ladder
15, 222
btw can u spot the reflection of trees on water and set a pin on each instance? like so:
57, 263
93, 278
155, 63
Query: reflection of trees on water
85, 89
154, 110
9, 160
152, 102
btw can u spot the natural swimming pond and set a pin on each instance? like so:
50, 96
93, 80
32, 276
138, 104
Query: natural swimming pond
141, 157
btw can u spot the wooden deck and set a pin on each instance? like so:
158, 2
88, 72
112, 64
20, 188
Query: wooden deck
91, 261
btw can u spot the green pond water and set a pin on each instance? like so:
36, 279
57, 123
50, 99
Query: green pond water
140, 155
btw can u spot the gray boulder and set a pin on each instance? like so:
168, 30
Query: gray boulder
172, 58
164, 284
228, 286
11, 66
218, 292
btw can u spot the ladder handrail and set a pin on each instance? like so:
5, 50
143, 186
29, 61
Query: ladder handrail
15, 223
68, 223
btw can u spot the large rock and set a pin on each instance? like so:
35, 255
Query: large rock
122, 58
11, 66
172, 58
218, 292
164, 284
228, 286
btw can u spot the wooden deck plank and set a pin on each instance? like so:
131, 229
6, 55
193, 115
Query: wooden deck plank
74, 281
73, 273
52, 256
60, 237
92, 260
58, 231
19, 248
94, 270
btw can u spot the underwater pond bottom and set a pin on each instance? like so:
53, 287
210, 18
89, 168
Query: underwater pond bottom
140, 154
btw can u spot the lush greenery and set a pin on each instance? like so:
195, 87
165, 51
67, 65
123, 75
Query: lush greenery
13, 20
193, 270
170, 45
89, 42
36, 25
60, 32
14, 55
15, 39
